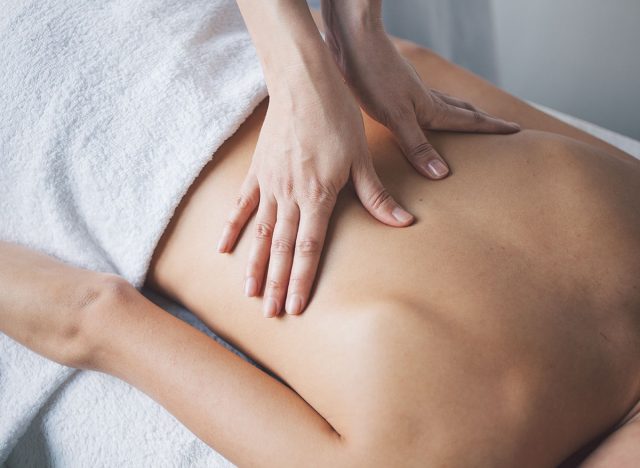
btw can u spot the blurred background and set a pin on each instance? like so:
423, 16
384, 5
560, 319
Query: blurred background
581, 57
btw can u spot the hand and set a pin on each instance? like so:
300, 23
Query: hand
311, 142
390, 90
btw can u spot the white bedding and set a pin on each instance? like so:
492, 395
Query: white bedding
67, 418
625, 143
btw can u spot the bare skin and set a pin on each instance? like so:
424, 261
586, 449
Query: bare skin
501, 329
515, 272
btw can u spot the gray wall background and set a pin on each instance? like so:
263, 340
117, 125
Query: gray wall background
581, 57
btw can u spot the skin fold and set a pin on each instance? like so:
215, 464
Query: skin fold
502, 328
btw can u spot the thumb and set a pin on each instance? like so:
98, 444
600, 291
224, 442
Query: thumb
420, 153
376, 199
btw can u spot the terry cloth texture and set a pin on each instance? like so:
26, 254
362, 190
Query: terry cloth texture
108, 112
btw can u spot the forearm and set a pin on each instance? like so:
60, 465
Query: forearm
352, 17
231, 405
351, 28
290, 48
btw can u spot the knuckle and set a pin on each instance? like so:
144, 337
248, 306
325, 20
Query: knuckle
281, 246
319, 193
243, 202
477, 116
274, 286
264, 230
379, 199
421, 151
427, 121
287, 189
308, 247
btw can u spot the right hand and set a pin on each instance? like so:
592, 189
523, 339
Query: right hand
311, 142
390, 90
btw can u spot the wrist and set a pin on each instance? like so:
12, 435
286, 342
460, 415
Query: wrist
312, 87
296, 62
303, 72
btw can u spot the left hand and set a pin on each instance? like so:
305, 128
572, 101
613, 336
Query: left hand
389, 89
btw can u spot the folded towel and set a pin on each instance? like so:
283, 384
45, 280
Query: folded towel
109, 110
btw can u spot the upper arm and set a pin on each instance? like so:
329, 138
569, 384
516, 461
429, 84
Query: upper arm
242, 412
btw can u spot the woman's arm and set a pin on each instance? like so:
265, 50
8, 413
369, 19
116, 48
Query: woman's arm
89, 320
439, 73
389, 89
240, 411
311, 143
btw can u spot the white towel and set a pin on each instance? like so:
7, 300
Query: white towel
109, 109
108, 112
51, 415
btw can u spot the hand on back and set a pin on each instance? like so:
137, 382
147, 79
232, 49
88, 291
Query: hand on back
311, 142
389, 89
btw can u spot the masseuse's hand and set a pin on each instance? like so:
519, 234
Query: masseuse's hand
390, 90
312, 141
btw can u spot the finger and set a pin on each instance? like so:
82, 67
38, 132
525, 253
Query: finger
311, 235
261, 245
244, 206
465, 120
457, 102
514, 127
420, 153
376, 199
282, 247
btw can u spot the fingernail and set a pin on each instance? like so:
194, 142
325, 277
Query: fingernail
515, 125
401, 215
250, 286
270, 307
294, 305
437, 168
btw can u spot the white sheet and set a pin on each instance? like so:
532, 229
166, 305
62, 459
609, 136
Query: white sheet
73, 419
625, 143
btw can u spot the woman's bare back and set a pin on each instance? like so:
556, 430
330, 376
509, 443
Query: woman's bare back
502, 328
503, 325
